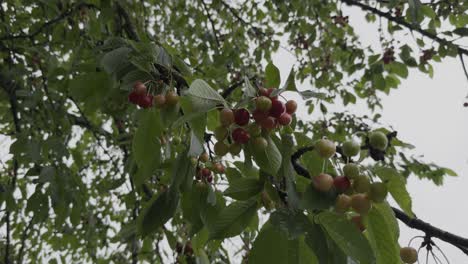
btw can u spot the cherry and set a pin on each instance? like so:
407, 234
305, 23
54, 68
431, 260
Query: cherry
221, 133
255, 130
172, 98
205, 172
285, 119
361, 184
241, 117
235, 149
323, 182
341, 183
204, 157
351, 148
219, 168
260, 143
378, 140
325, 148
139, 88
351, 170
378, 192
268, 123
357, 220
134, 98
264, 92
408, 255
291, 107
146, 101
259, 116
361, 203
176, 140
193, 160
209, 179
188, 249
263, 103
220, 148
239, 135
342, 203
277, 108
270, 91
226, 117
159, 101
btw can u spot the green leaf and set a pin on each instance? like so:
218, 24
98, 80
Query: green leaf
90, 88
157, 212
182, 172
233, 219
316, 239
396, 185
415, 8
203, 97
146, 146
398, 68
243, 188
272, 76
461, 31
290, 84
268, 159
380, 234
315, 200
115, 59
349, 239
250, 90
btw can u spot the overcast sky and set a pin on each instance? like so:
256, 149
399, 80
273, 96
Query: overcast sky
429, 114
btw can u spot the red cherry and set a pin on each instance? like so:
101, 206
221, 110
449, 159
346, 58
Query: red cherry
277, 108
258, 115
285, 119
291, 107
341, 183
205, 172
146, 101
241, 117
270, 90
134, 98
240, 135
209, 179
268, 123
139, 88
263, 92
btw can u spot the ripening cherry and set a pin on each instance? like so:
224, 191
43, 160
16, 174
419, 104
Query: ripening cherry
325, 148
218, 168
408, 255
277, 108
241, 116
264, 92
259, 116
351, 148
357, 220
341, 183
204, 157
235, 149
260, 143
172, 98
351, 170
159, 101
134, 98
139, 88
323, 182
220, 148
205, 172
221, 133
226, 117
342, 203
361, 184
268, 123
285, 119
146, 101
263, 103
361, 203
239, 135
291, 107
378, 140
378, 192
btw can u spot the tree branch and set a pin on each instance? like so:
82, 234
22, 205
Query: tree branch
128, 25
404, 23
414, 223
208, 15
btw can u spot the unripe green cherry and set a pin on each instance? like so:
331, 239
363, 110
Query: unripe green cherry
226, 117
361, 203
408, 255
325, 148
351, 148
378, 192
378, 140
351, 170
361, 184
220, 148
263, 103
221, 133
260, 143
342, 203
254, 130
235, 149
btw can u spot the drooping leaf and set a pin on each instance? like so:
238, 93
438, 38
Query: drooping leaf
243, 188
268, 159
396, 185
203, 97
272, 76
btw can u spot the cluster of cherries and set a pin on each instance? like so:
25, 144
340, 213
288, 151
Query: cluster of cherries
205, 174
141, 97
269, 113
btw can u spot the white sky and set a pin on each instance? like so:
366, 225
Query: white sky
429, 114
